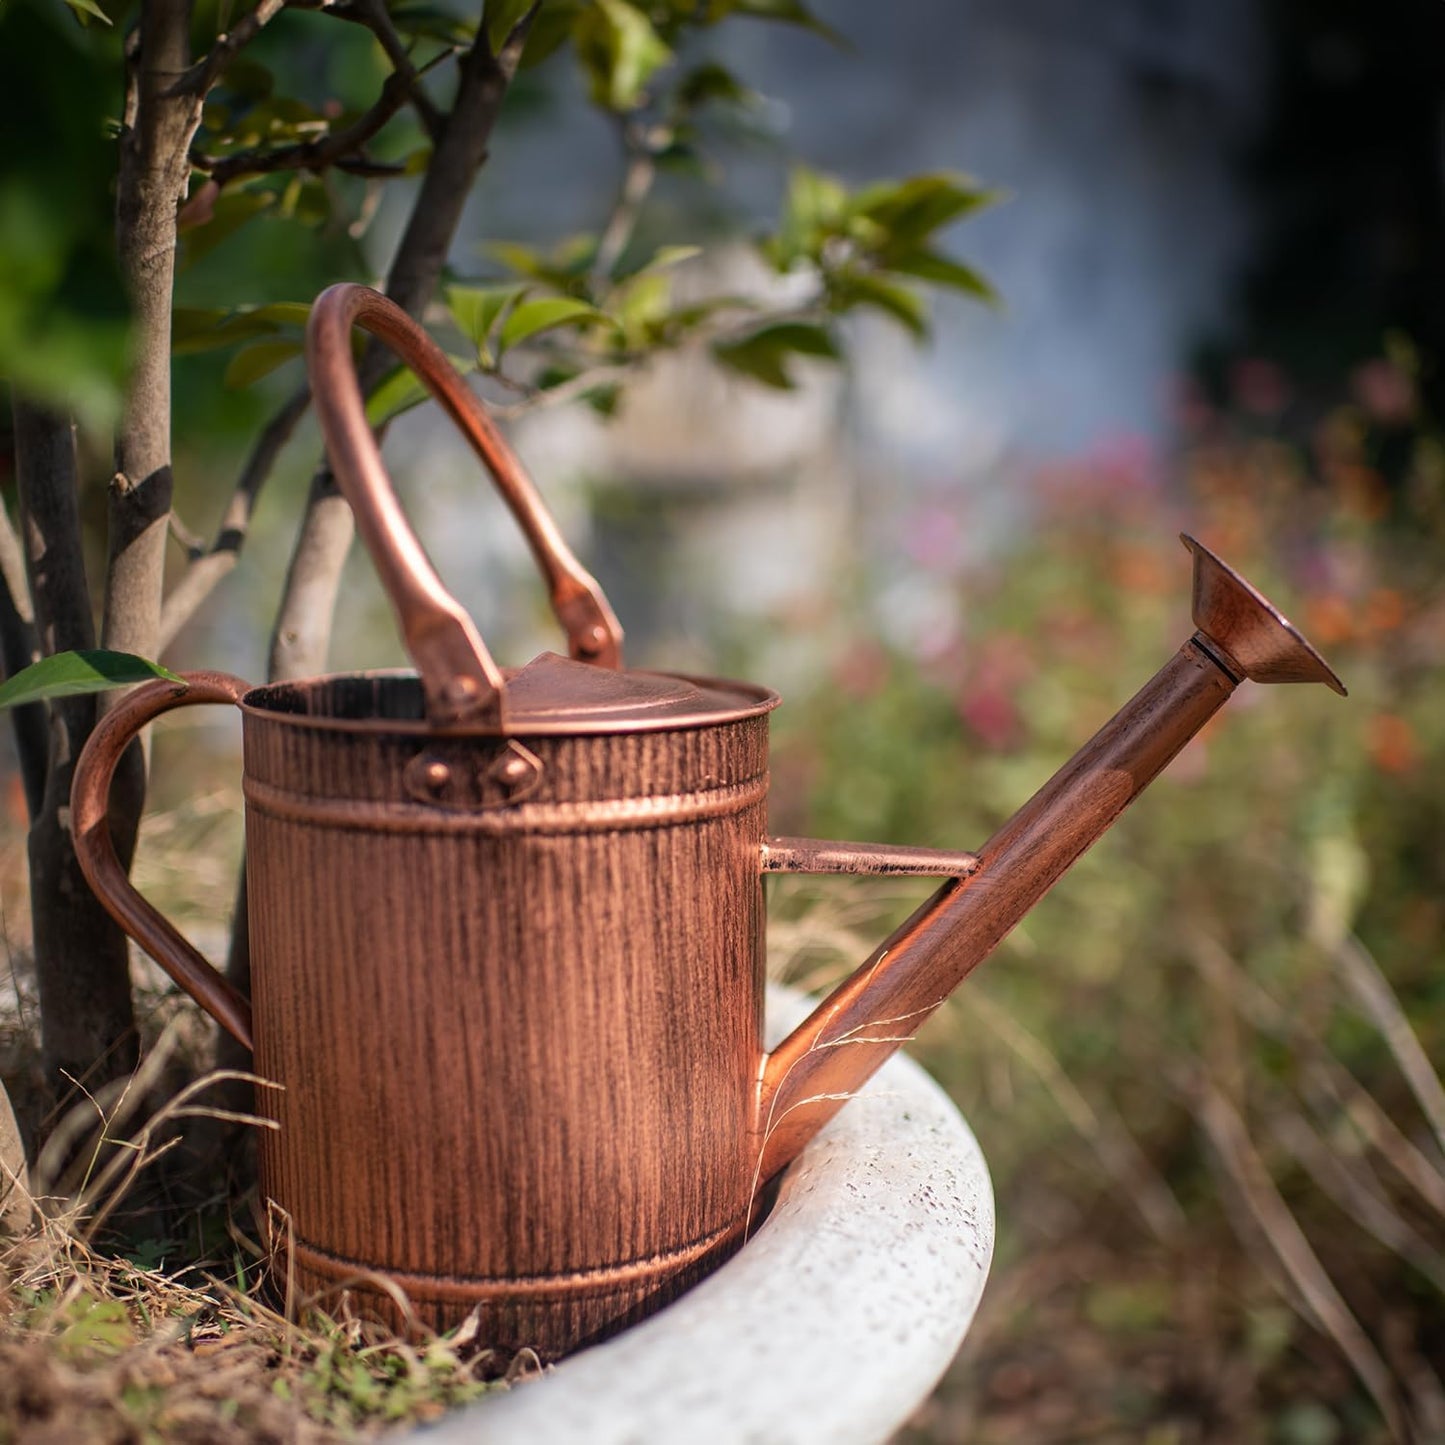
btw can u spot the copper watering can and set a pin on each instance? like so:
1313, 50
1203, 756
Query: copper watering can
507, 927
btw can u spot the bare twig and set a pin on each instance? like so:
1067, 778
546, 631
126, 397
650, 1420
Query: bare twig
373, 14
1372, 990
190, 541
1108, 1136
1230, 1138
199, 78
1327, 1077
340, 149
534, 398
302, 632
1356, 1194
637, 179
214, 563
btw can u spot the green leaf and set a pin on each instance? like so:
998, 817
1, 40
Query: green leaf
901, 303
620, 52
566, 264
789, 12
604, 399
764, 354
531, 318
247, 79
232, 210
399, 391
83, 8
68, 674
664, 258
712, 82
642, 307
945, 271
283, 313
422, 20
475, 309
258, 360
550, 30
501, 17
815, 209
910, 211
196, 329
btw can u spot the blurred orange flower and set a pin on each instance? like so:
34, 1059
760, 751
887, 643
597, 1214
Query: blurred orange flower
1329, 618
1393, 745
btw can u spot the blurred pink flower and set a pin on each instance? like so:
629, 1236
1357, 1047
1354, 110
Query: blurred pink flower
933, 538
1384, 391
1124, 461
988, 703
862, 672
1259, 387
1188, 406
991, 714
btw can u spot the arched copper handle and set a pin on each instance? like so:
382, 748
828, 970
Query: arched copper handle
89, 801
460, 681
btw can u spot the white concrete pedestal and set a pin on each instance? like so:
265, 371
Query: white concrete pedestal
830, 1327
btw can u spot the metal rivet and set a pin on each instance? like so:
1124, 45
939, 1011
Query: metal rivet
514, 770
436, 775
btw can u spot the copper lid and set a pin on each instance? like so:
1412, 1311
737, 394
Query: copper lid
551, 696
554, 694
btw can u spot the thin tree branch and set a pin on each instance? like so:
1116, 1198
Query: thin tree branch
342, 148
154, 171
1228, 1134
1330, 1082
200, 77
637, 179
373, 15
189, 540
1356, 1193
1105, 1133
302, 632
1373, 993
215, 562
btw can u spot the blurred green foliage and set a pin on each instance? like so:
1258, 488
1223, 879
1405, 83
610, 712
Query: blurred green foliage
62, 307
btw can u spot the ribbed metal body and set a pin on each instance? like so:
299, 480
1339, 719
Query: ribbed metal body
518, 1042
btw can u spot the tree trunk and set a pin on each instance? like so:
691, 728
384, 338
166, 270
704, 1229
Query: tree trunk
18, 649
87, 1023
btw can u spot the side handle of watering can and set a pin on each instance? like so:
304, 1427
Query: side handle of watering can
805, 1080
461, 683
89, 804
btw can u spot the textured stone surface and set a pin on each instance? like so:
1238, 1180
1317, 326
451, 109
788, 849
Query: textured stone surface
831, 1326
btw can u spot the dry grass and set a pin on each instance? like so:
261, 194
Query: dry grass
99, 1345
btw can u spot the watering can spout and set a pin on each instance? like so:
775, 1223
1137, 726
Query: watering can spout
808, 1078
